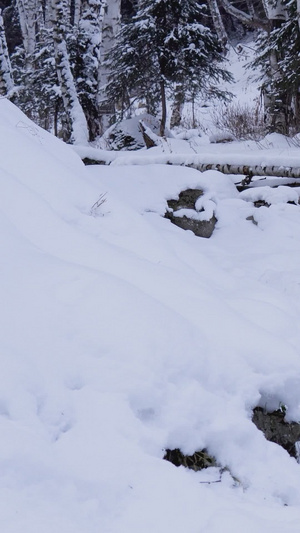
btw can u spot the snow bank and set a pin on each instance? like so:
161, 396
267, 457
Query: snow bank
123, 335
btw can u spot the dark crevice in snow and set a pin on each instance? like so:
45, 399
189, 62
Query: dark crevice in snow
199, 460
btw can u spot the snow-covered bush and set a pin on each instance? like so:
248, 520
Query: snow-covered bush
242, 121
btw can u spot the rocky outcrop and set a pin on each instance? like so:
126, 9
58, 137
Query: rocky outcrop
127, 134
187, 200
277, 430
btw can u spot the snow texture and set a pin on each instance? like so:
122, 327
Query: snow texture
123, 335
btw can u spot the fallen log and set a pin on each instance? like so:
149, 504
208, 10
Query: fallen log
203, 164
200, 162
249, 171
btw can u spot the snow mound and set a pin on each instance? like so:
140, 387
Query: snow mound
123, 335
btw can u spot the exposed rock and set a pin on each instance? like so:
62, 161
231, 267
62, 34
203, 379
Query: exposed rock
201, 228
187, 200
87, 161
197, 461
126, 135
277, 430
261, 203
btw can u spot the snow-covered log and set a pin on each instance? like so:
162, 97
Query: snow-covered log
245, 170
198, 163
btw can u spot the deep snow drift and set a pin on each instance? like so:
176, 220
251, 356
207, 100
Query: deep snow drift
123, 335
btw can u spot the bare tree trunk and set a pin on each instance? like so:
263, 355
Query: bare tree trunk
89, 40
177, 106
163, 108
28, 15
111, 23
75, 9
74, 112
6, 81
218, 22
275, 109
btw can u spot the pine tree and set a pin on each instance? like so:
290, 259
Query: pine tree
280, 67
166, 43
37, 89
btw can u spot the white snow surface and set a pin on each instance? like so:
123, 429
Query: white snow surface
123, 335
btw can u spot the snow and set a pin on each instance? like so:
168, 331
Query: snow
273, 150
123, 335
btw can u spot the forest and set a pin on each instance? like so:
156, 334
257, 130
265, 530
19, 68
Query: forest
77, 66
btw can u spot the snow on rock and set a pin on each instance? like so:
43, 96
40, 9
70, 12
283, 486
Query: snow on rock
123, 335
279, 195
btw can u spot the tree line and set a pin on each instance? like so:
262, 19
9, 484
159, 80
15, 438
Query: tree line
73, 66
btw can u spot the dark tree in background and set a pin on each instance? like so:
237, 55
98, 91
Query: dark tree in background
166, 46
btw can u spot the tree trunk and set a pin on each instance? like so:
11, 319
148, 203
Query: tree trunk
163, 108
89, 41
276, 107
73, 109
177, 106
28, 10
6, 81
218, 22
111, 14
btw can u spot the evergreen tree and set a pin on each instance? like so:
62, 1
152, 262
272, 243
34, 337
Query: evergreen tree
37, 89
280, 67
166, 43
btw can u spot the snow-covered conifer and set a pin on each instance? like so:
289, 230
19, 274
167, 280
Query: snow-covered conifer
280, 67
166, 43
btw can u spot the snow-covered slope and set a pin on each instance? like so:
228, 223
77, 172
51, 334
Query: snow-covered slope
123, 335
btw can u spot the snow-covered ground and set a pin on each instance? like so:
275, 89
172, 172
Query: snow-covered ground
123, 335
